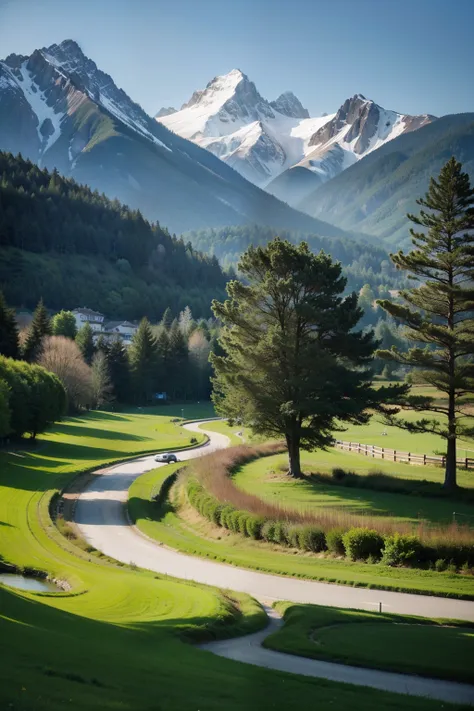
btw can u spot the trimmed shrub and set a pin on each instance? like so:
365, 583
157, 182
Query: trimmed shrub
226, 513
233, 520
401, 549
293, 536
440, 565
216, 514
268, 531
254, 526
312, 539
334, 541
338, 474
359, 543
242, 522
280, 533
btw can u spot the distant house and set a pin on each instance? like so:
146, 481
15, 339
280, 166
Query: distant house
125, 329
84, 315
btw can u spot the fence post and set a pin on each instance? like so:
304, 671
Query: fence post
424, 459
409, 458
394, 455
383, 456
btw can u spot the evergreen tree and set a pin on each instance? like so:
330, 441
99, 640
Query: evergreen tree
166, 318
64, 324
163, 355
119, 370
439, 313
178, 371
294, 366
186, 321
102, 389
39, 328
9, 341
85, 341
143, 362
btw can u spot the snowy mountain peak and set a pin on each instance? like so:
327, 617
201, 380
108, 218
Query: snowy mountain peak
289, 105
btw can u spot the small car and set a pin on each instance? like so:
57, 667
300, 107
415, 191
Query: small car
166, 458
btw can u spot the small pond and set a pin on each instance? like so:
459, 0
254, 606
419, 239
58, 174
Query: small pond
24, 583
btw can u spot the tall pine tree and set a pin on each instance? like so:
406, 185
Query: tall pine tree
439, 312
143, 362
119, 370
85, 341
39, 328
294, 365
9, 341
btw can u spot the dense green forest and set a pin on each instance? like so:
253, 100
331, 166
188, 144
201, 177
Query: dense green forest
362, 263
74, 247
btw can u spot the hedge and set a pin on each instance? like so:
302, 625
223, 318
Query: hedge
356, 543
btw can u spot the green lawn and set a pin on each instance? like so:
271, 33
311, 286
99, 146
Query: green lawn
115, 642
437, 648
266, 478
179, 527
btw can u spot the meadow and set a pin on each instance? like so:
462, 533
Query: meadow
407, 644
119, 639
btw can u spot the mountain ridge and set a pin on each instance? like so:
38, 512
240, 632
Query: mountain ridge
266, 140
61, 111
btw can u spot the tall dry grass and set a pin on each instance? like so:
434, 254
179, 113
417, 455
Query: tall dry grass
214, 471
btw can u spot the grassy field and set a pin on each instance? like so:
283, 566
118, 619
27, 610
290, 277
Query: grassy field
267, 479
437, 648
180, 527
116, 640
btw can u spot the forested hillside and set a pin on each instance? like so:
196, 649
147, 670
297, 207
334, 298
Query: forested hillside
75, 247
363, 263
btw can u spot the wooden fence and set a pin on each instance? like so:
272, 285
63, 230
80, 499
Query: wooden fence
395, 455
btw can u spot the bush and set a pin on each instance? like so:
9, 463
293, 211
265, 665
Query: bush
193, 440
293, 536
338, 474
226, 513
268, 531
401, 550
233, 521
440, 565
242, 522
334, 541
216, 514
280, 533
312, 539
359, 543
254, 526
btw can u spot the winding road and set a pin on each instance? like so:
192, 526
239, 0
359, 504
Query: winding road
100, 514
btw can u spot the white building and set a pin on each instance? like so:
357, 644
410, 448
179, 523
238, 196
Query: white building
84, 315
125, 329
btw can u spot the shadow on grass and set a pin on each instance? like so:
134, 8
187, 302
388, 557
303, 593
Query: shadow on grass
81, 431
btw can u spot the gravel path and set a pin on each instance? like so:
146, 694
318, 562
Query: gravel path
101, 516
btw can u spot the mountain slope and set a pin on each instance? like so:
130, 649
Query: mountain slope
273, 144
58, 109
72, 247
375, 194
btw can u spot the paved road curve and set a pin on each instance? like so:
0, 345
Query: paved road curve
249, 649
101, 516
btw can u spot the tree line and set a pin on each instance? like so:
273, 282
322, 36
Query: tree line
169, 360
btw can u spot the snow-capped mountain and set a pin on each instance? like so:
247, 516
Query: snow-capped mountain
260, 139
60, 110
267, 141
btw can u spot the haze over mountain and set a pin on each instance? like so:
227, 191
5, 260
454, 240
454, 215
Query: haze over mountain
60, 110
276, 144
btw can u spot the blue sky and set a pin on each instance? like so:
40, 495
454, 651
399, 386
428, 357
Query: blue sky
414, 56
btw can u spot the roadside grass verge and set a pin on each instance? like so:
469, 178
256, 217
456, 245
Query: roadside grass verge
441, 649
176, 524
